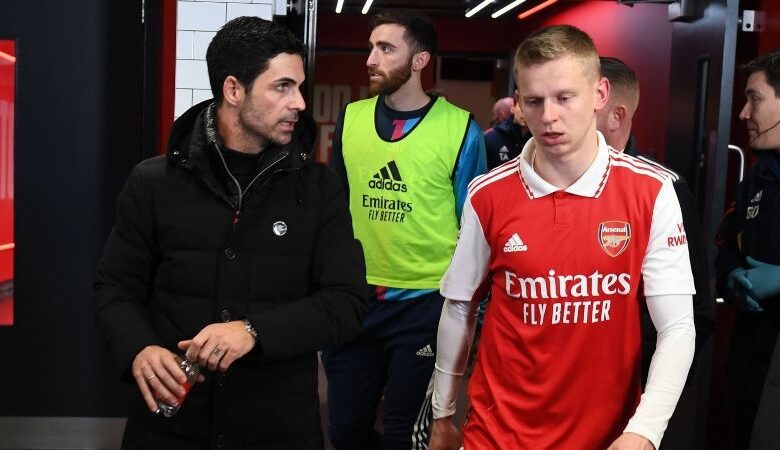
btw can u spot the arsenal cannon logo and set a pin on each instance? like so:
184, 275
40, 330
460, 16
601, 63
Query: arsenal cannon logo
614, 236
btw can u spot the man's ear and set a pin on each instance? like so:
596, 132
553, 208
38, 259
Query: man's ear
233, 91
618, 114
602, 88
420, 60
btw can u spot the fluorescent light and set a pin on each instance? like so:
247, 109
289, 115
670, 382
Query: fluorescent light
8, 57
534, 9
339, 5
478, 8
366, 6
506, 8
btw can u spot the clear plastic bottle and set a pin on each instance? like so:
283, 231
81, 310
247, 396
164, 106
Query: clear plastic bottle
191, 370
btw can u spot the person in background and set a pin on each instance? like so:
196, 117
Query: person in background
406, 159
505, 140
565, 237
614, 121
236, 251
748, 264
502, 110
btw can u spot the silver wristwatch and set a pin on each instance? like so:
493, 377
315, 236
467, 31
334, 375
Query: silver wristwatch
250, 329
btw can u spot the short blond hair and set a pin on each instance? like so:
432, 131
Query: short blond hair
556, 42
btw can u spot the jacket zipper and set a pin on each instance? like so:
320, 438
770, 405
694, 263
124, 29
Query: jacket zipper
241, 193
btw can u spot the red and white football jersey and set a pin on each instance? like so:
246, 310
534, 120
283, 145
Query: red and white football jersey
559, 358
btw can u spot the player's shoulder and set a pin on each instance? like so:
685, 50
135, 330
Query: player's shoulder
495, 179
640, 169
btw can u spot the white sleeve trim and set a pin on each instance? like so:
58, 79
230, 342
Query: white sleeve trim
672, 316
456, 331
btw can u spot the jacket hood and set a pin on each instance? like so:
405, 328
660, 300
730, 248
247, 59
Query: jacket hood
194, 132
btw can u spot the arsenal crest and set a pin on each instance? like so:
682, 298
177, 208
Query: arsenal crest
614, 236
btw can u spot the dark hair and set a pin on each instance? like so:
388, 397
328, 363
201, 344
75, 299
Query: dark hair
242, 48
420, 33
618, 73
770, 65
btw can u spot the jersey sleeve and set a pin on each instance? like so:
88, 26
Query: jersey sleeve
666, 269
469, 265
471, 162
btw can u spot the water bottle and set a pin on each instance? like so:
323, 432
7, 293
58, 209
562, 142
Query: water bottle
191, 370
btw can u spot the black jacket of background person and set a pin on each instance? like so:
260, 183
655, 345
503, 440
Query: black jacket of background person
175, 262
504, 142
754, 334
703, 300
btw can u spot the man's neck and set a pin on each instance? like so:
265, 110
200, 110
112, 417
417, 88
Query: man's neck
409, 97
564, 170
232, 133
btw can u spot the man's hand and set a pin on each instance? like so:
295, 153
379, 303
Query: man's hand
158, 376
764, 279
631, 441
218, 345
740, 287
444, 435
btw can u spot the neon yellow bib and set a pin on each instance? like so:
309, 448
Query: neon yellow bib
401, 194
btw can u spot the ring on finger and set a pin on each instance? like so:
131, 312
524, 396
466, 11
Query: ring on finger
151, 377
216, 352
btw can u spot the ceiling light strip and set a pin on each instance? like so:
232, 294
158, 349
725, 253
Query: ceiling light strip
366, 6
8, 57
478, 8
339, 6
506, 8
532, 10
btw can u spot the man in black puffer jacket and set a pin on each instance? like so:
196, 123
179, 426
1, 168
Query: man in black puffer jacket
237, 251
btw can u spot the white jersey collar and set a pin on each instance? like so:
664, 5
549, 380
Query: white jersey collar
590, 184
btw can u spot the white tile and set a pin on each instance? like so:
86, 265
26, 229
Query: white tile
200, 16
198, 95
184, 42
191, 74
201, 44
255, 9
182, 102
280, 6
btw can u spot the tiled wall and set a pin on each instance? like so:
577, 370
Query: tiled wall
196, 24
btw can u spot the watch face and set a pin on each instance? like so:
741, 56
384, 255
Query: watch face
250, 329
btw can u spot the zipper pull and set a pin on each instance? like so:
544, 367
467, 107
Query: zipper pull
236, 217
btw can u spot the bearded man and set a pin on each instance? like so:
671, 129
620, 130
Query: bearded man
406, 159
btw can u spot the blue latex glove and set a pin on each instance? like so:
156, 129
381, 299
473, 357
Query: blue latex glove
740, 287
764, 279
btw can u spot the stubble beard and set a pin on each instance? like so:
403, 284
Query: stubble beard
254, 129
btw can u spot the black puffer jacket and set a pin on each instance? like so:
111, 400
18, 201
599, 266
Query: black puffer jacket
177, 260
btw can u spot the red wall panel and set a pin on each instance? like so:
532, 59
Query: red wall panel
7, 101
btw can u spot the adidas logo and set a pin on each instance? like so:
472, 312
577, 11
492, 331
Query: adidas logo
515, 244
503, 154
388, 178
426, 351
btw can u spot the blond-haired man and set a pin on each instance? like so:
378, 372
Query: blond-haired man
565, 238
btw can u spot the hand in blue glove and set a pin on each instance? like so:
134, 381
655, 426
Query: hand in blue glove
740, 287
764, 279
